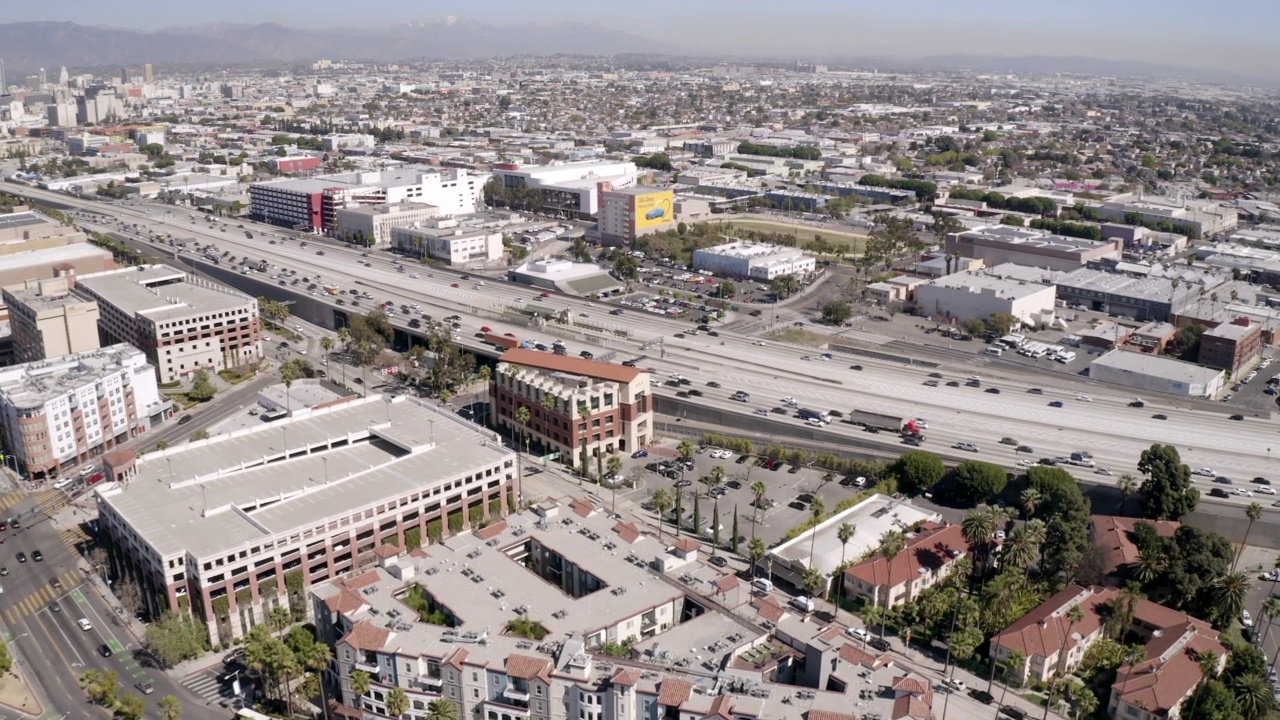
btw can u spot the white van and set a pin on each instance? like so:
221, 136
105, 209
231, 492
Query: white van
803, 603
995, 351
763, 585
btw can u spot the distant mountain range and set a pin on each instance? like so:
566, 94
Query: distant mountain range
26, 46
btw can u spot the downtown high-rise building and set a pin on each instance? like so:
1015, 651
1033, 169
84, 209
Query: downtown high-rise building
4, 86
147, 73
43, 78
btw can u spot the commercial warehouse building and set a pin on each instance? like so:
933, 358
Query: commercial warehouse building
234, 525
754, 261
60, 413
966, 295
1141, 297
999, 244
1155, 373
569, 189
1199, 218
449, 242
182, 323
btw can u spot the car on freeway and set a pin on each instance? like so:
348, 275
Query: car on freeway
1159, 416
1024, 449
1256, 481
1237, 418
1036, 391
1264, 490
1057, 404
84, 624
1102, 471
966, 446
1084, 398
994, 391
1204, 472
1008, 441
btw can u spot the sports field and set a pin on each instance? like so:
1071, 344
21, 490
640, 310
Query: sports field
853, 243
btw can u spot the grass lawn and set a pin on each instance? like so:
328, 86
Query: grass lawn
854, 242
284, 332
235, 376
799, 336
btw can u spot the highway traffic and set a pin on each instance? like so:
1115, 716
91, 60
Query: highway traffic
1098, 420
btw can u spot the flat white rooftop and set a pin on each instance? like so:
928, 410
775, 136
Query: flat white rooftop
872, 518
211, 496
161, 292
35, 383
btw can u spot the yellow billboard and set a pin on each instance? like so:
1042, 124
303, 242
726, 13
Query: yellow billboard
654, 209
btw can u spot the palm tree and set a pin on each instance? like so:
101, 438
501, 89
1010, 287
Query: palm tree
1031, 499
360, 681
288, 374
316, 658
1253, 512
891, 543
686, 449
523, 416
1073, 615
1270, 608
661, 500
1147, 567
816, 510
326, 344
718, 474
170, 707
441, 709
1015, 665
845, 533
759, 489
1229, 593
977, 529
1127, 484
813, 580
614, 466
755, 550
1252, 695
397, 702
1086, 703
1019, 551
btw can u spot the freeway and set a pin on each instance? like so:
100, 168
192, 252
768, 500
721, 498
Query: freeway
1104, 425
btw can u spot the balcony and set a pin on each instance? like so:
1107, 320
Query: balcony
518, 694
426, 683
365, 666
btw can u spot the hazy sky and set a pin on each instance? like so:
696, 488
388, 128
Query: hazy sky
1228, 34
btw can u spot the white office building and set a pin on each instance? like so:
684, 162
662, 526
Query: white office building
754, 261
569, 188
371, 224
965, 295
350, 141
447, 241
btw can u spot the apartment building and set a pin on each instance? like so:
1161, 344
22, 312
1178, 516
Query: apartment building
182, 323
634, 629
575, 405
60, 413
925, 560
1233, 346
1052, 644
447, 241
229, 527
48, 321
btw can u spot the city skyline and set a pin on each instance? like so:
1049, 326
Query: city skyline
1173, 33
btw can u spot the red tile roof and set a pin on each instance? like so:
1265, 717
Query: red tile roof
687, 545
673, 693
1043, 631
721, 707
386, 550
932, 549
362, 580
725, 583
626, 676
571, 365
525, 667
345, 601
583, 508
910, 684
1170, 673
457, 658
365, 636
628, 532
912, 708
1110, 534
851, 653
768, 608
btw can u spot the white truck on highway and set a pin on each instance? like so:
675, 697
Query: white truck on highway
879, 421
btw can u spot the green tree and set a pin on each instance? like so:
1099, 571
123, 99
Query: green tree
755, 551
661, 501
397, 702
686, 449
1213, 701
202, 388
735, 541
978, 481
1067, 516
360, 681
130, 707
1031, 499
844, 534
918, 470
1254, 513
1166, 492
784, 286
1229, 593
441, 709
1127, 484
1253, 696
173, 638
817, 510
836, 312
891, 543
758, 490
170, 707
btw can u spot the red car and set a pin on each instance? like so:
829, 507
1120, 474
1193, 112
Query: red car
93, 478
545, 294
485, 328
510, 335
454, 285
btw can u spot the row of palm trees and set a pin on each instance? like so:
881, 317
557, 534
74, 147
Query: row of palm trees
397, 702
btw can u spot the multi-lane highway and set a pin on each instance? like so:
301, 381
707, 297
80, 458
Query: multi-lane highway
1103, 424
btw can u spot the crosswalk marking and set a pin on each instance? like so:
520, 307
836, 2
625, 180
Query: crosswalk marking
8, 500
206, 686
40, 598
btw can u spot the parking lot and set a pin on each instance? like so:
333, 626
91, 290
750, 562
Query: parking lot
790, 489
